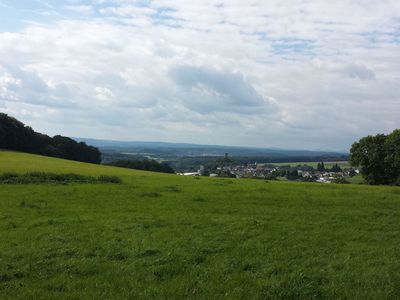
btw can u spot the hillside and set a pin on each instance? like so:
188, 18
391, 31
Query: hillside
165, 236
16, 136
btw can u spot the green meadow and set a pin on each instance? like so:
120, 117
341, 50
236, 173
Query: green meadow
159, 236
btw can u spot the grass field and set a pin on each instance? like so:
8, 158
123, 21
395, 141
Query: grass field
159, 236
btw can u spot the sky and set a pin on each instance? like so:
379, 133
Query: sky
296, 74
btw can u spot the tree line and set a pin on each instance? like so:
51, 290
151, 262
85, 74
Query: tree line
378, 158
14, 135
145, 165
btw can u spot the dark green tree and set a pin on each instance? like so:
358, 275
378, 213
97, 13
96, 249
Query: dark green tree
336, 168
146, 164
378, 157
392, 158
14, 135
292, 174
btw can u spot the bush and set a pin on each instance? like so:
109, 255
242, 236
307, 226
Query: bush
109, 179
340, 180
42, 177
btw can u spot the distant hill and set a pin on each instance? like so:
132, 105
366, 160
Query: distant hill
14, 135
185, 149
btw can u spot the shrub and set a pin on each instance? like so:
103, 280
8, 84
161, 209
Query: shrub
340, 180
42, 177
109, 179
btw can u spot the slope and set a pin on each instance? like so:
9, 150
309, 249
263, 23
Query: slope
165, 236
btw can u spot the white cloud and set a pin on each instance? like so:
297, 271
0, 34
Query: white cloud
311, 74
83, 9
206, 90
130, 10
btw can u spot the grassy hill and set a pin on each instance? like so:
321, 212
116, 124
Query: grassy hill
165, 236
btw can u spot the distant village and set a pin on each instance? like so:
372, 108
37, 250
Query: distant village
225, 167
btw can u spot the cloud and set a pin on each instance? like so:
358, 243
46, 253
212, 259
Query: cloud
359, 71
287, 73
83, 9
17, 85
129, 10
208, 90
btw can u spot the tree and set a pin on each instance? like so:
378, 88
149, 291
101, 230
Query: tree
352, 172
14, 135
70, 149
146, 164
205, 172
378, 157
292, 174
336, 168
321, 166
392, 159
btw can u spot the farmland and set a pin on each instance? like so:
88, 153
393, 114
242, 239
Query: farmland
165, 236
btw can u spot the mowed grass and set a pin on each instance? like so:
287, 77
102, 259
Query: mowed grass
159, 236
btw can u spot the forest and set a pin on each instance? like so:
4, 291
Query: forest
14, 135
